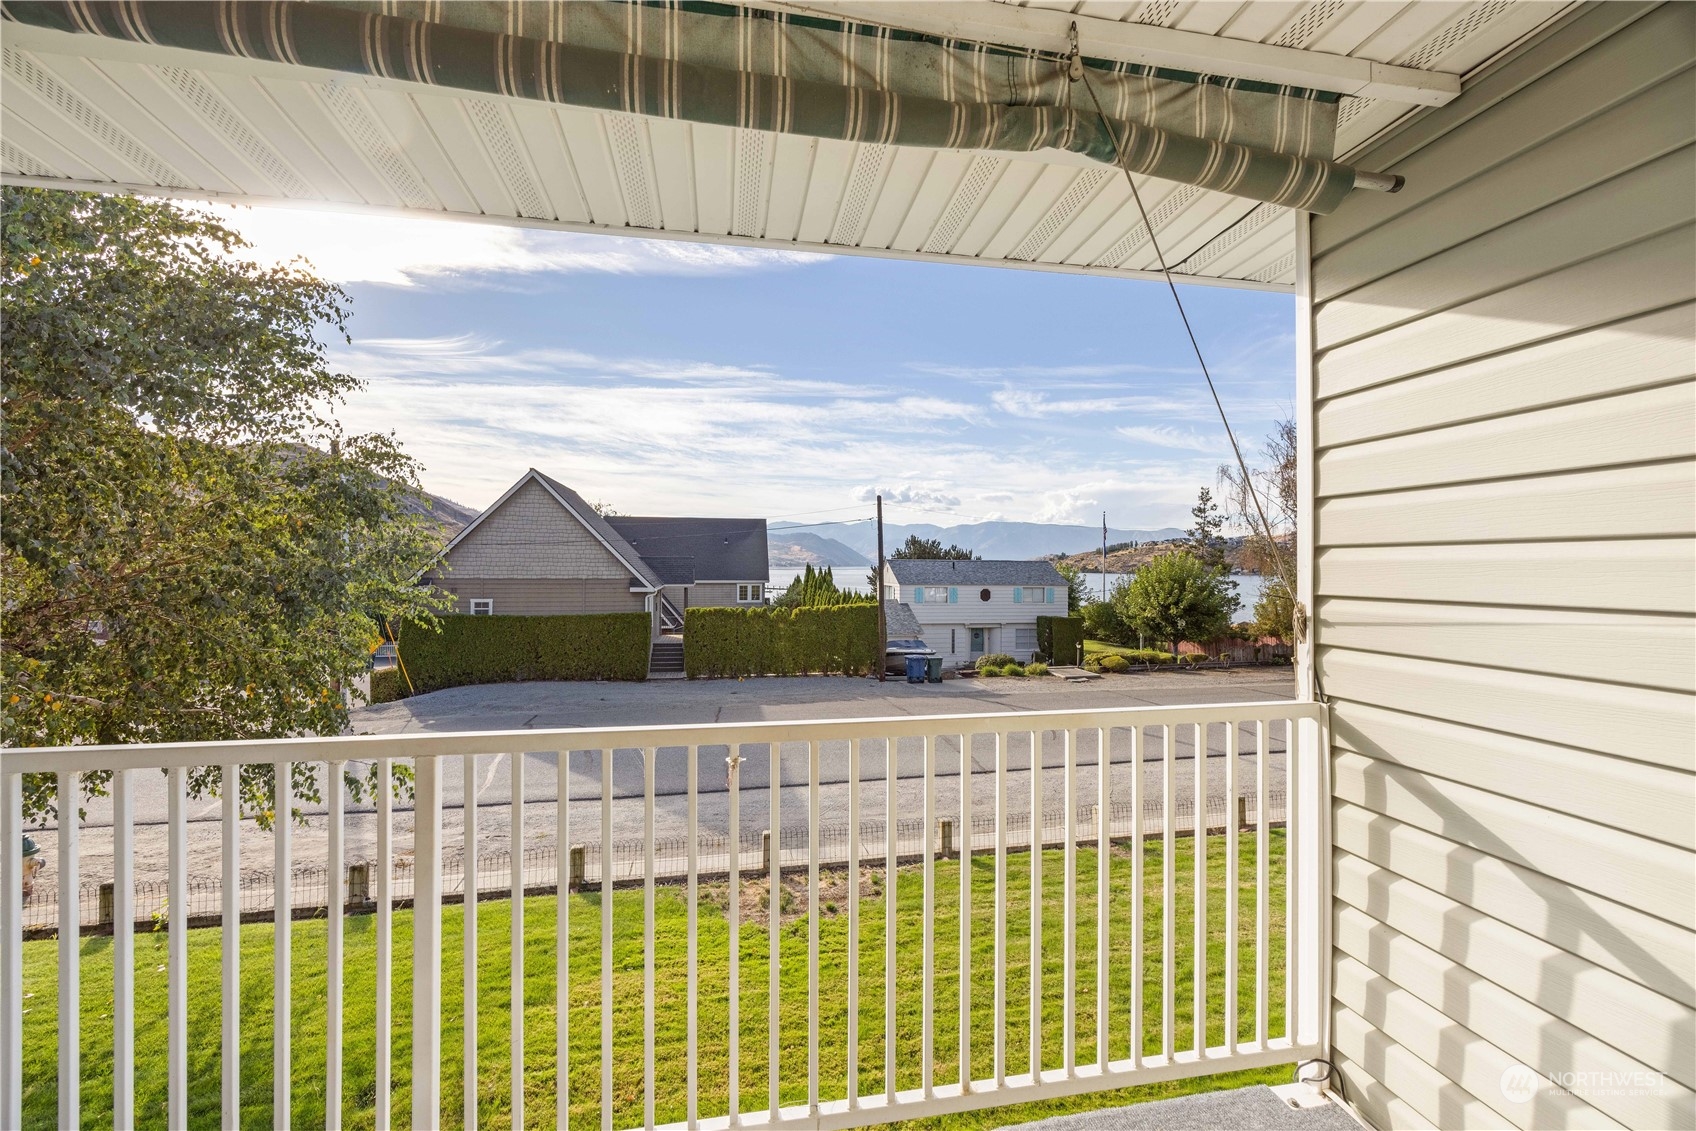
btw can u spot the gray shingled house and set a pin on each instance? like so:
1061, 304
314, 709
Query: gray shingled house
541, 549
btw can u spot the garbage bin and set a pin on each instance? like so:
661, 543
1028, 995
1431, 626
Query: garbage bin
933, 669
915, 669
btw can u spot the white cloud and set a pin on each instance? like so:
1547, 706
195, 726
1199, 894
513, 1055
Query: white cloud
1166, 436
1033, 405
909, 494
402, 251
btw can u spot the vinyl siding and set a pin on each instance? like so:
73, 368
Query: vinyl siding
716, 594
531, 536
1505, 587
544, 596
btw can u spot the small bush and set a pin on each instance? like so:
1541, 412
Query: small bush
988, 673
387, 686
994, 660
1036, 667
1112, 663
1192, 658
1013, 669
1150, 656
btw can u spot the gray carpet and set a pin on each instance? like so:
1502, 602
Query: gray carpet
1240, 1109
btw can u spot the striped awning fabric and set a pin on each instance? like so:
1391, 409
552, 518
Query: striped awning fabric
758, 69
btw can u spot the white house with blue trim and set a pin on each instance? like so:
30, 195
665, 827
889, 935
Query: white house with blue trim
968, 609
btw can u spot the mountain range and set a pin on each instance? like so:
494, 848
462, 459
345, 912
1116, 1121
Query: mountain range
855, 543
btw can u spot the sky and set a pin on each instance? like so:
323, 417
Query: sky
664, 377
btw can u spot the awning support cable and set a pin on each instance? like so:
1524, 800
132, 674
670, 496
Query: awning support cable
1077, 72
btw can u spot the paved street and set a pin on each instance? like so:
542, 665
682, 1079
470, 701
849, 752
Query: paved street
539, 706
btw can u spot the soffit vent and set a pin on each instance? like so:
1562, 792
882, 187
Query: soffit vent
1157, 15
94, 123
1275, 270
963, 205
14, 158
869, 164
1128, 243
350, 112
1258, 218
490, 121
630, 162
222, 117
1306, 29
750, 189
1082, 189
1454, 35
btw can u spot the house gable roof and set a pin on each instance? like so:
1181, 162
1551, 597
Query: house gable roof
721, 549
580, 510
926, 571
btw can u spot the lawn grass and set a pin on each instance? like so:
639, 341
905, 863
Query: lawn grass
494, 938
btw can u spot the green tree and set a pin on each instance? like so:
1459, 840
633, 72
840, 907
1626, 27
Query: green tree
817, 588
192, 548
1074, 586
1274, 612
931, 549
1175, 597
1206, 542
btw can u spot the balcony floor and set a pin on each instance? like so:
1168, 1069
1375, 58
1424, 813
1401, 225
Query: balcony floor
1242, 1109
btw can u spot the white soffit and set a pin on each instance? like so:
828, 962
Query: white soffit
82, 111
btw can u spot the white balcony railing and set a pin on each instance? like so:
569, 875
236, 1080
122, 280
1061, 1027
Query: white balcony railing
1122, 792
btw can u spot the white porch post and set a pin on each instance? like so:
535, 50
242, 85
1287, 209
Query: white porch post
426, 944
1310, 823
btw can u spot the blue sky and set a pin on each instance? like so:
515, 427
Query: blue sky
666, 377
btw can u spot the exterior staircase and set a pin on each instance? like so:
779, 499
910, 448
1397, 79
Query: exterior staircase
666, 659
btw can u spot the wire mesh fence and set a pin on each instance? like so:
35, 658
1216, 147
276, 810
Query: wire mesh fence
310, 885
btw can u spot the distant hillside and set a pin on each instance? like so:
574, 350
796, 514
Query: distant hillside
795, 548
1237, 552
452, 517
1018, 541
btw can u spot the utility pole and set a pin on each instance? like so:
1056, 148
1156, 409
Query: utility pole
1104, 555
882, 624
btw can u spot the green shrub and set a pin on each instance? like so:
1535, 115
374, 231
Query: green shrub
1036, 668
502, 649
988, 673
1191, 658
387, 686
1058, 638
1012, 669
995, 660
1112, 663
722, 642
1150, 656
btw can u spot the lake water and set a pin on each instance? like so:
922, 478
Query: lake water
855, 578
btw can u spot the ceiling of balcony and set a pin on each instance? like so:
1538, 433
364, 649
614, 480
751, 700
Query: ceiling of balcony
85, 111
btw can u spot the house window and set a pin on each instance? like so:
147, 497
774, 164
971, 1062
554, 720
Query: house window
1035, 595
1024, 639
482, 606
751, 593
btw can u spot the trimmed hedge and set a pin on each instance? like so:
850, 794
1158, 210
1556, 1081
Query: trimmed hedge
506, 649
387, 686
1059, 638
831, 639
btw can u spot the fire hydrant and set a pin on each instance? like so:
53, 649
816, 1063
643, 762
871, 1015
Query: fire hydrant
33, 863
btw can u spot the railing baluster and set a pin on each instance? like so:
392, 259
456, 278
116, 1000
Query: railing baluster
1292, 869
333, 952
468, 942
385, 935
1001, 955
427, 944
1103, 849
70, 955
733, 1024
176, 960
1262, 884
774, 883
890, 780
1198, 998
1168, 877
606, 939
965, 913
231, 1085
813, 928
515, 811
649, 755
562, 929
1232, 939
1069, 888
282, 918
1036, 906
1137, 957
853, 1082
11, 950
692, 756
927, 1035
123, 949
